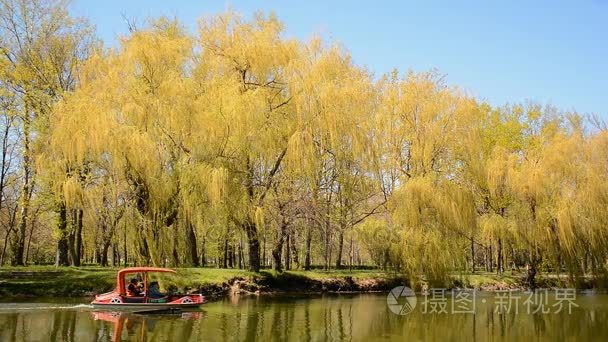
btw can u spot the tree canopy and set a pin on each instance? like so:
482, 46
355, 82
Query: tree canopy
235, 146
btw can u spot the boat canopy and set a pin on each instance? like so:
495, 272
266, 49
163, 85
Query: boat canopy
120, 277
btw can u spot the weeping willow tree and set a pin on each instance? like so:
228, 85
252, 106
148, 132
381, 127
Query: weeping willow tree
41, 50
124, 117
234, 145
421, 117
205, 124
486, 154
338, 99
587, 205
253, 111
547, 182
434, 219
282, 104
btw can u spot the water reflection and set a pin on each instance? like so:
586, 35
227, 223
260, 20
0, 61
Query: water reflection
140, 327
323, 318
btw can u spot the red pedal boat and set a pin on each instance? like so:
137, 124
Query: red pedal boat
120, 300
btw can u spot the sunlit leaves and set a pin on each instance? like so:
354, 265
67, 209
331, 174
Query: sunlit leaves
220, 128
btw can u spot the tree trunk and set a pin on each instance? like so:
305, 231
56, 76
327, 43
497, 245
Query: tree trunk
530, 279
277, 252
61, 258
499, 260
79, 221
514, 264
115, 255
340, 248
350, 254
97, 255
203, 252
490, 259
6, 239
144, 250
263, 260
3, 173
75, 239
104, 253
191, 243
472, 255
175, 252
326, 245
294, 251
71, 246
307, 260
220, 247
29, 240
230, 252
225, 252
241, 256
287, 252
18, 240
254, 246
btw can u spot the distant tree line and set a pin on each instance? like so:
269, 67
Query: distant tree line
237, 147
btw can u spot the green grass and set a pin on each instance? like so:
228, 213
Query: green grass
510, 280
49, 281
485, 279
75, 281
85, 281
355, 274
82, 281
193, 278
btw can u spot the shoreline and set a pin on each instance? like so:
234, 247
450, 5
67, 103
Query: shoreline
215, 284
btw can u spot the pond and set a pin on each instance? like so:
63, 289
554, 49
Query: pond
360, 317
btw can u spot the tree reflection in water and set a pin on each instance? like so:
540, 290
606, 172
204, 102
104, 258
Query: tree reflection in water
142, 327
323, 317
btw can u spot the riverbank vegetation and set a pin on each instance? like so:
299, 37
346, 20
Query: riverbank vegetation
48, 281
233, 146
214, 283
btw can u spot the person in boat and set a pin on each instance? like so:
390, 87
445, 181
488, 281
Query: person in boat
134, 290
154, 291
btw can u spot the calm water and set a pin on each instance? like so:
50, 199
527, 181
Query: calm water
323, 318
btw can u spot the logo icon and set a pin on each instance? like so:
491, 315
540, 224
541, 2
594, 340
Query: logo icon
401, 300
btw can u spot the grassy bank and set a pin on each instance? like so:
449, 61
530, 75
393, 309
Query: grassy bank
213, 282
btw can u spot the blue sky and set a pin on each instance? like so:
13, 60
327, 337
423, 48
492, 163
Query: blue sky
551, 52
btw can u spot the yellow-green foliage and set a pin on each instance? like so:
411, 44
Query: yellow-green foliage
235, 128
204, 116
